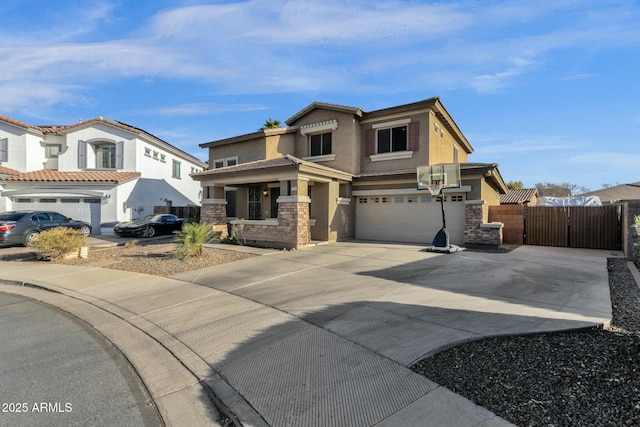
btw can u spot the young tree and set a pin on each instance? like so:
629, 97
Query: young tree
564, 189
515, 185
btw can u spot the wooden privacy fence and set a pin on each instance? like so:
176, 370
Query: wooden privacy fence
594, 227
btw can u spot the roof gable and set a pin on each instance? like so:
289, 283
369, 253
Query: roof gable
324, 106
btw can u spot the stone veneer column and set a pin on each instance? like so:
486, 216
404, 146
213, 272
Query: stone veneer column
476, 229
293, 221
214, 210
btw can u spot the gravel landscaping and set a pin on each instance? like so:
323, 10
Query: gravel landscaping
156, 258
577, 378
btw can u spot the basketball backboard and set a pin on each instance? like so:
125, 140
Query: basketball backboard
445, 174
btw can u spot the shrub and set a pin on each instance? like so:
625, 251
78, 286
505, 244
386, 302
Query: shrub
56, 242
192, 237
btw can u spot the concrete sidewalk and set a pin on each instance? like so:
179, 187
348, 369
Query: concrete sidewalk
323, 336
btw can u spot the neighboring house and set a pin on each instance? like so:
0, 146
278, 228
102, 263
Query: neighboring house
521, 196
96, 170
617, 193
337, 172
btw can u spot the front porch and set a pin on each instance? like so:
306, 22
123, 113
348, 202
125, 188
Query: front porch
281, 203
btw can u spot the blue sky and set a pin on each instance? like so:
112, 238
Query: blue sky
549, 90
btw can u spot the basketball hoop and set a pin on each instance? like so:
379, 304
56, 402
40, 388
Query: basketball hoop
435, 188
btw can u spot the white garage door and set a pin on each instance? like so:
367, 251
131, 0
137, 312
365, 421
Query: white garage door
82, 209
409, 218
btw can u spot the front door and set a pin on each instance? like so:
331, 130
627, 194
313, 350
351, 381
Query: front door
255, 206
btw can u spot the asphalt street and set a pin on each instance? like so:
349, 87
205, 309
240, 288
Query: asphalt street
57, 371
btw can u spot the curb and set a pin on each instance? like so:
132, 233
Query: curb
176, 384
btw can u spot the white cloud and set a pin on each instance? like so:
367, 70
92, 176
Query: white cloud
199, 109
262, 46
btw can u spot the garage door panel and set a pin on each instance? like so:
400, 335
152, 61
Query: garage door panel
416, 222
84, 209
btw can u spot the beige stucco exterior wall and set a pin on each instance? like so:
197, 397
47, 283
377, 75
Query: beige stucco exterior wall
279, 145
246, 151
441, 143
489, 194
343, 139
420, 157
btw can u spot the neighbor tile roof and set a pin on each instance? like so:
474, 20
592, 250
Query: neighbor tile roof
53, 129
8, 171
518, 196
89, 176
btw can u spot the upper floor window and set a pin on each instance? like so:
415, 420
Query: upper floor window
147, 151
100, 155
320, 144
175, 171
455, 154
392, 139
221, 163
105, 156
4, 150
52, 151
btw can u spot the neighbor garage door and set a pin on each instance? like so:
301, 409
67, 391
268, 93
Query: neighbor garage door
82, 209
409, 218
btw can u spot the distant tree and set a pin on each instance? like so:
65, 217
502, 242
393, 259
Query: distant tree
271, 124
564, 189
515, 185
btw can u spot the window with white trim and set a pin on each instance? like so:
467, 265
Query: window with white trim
106, 156
390, 140
175, 170
52, 150
221, 163
147, 151
320, 144
4, 150
362, 200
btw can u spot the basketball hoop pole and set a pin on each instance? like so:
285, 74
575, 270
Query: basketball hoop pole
444, 224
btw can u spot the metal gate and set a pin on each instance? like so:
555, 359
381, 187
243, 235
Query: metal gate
593, 227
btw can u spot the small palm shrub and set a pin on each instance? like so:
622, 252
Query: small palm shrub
192, 237
57, 242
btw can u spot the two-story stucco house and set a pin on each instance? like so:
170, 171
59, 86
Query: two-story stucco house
337, 172
96, 170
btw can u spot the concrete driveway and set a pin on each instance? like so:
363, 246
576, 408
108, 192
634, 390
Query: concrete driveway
404, 303
324, 336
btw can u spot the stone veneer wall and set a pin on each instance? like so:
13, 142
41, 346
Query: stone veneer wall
290, 230
215, 213
476, 229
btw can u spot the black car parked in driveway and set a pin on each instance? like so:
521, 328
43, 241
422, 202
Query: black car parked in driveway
149, 226
20, 227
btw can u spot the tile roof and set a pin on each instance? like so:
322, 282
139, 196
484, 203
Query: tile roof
513, 197
53, 129
286, 160
8, 171
326, 106
84, 176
